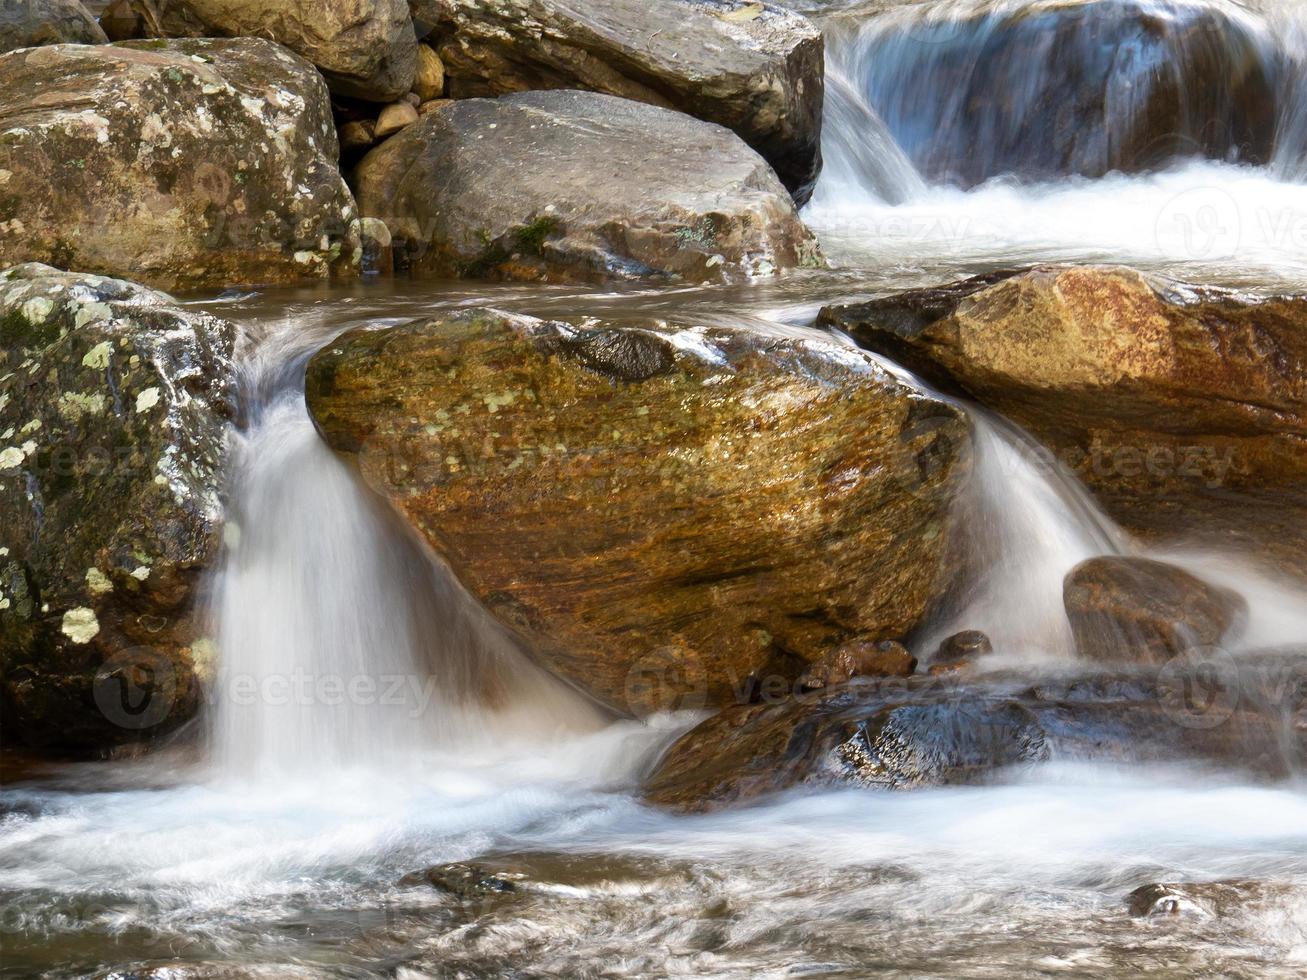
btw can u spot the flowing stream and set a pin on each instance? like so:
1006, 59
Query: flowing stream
272, 836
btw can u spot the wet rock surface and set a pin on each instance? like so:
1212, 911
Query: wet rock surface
182, 164
364, 48
858, 658
754, 68
1206, 899
1179, 407
575, 186
933, 731
114, 405
1144, 611
660, 514
31, 23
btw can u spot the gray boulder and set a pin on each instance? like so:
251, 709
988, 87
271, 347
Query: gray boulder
567, 186
181, 164
756, 68
364, 48
31, 23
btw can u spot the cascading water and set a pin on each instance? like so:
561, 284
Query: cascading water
960, 138
342, 643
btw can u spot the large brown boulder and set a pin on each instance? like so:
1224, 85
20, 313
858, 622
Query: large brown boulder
181, 164
31, 23
577, 186
755, 68
114, 407
662, 515
1181, 408
364, 48
1138, 610
927, 731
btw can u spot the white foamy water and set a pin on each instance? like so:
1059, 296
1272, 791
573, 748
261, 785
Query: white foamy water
279, 839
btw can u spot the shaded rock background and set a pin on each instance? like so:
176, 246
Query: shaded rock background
661, 515
1136, 610
364, 48
114, 404
926, 731
29, 23
755, 68
1180, 408
577, 186
180, 164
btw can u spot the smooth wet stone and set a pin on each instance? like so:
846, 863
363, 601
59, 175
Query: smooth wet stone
754, 68
932, 731
31, 23
1207, 899
960, 651
180, 164
364, 48
1183, 409
662, 515
1136, 610
574, 186
859, 658
114, 409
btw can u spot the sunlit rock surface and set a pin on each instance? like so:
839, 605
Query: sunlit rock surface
180, 164
1181, 408
660, 514
364, 48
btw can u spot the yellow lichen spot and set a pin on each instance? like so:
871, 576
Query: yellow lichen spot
97, 582
140, 573
97, 358
204, 658
147, 399
90, 312
80, 625
11, 458
37, 309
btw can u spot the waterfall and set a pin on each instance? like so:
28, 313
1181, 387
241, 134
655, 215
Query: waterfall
973, 89
343, 643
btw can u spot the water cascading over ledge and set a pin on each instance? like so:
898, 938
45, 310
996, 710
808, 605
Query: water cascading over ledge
972, 90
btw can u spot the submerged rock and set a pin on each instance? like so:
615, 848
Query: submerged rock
1173, 404
364, 48
960, 651
1144, 611
114, 405
31, 23
927, 731
755, 68
858, 658
660, 514
182, 164
1206, 899
578, 186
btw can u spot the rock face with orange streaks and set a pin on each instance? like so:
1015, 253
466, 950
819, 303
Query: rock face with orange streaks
662, 515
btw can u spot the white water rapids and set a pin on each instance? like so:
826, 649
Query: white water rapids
275, 838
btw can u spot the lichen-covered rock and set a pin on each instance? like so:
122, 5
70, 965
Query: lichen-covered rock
926, 731
364, 48
755, 68
1174, 404
180, 164
577, 186
114, 405
1137, 610
662, 515
31, 23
